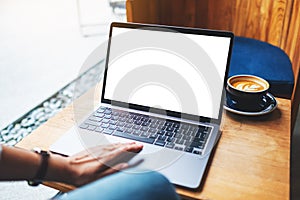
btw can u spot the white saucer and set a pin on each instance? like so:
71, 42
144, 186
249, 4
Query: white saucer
271, 105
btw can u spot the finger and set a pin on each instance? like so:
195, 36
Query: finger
107, 157
120, 155
100, 149
98, 152
133, 148
95, 149
113, 146
111, 150
124, 151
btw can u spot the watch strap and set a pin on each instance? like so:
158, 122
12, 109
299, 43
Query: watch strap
42, 170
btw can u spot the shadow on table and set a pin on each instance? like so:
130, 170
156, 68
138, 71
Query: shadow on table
275, 115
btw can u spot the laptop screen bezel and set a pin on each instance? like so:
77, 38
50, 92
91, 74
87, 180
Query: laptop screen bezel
168, 29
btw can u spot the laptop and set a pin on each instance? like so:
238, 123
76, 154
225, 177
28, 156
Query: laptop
163, 86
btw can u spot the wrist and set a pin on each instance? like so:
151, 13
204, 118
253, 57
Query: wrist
59, 169
42, 168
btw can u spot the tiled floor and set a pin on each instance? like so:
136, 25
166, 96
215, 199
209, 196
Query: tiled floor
42, 49
295, 161
19, 190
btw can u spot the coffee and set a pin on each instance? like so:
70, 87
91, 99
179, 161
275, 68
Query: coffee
246, 92
248, 86
249, 83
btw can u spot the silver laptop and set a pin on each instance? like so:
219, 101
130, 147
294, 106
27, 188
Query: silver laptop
163, 86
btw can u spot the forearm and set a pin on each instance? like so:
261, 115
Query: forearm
79, 169
20, 164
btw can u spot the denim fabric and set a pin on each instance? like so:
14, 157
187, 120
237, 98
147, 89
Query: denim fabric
126, 185
250, 56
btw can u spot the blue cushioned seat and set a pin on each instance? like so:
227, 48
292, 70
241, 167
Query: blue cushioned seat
250, 56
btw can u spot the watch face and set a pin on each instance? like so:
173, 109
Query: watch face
40, 151
37, 150
34, 183
45, 153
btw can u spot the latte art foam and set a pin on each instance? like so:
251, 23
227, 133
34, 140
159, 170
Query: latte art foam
248, 86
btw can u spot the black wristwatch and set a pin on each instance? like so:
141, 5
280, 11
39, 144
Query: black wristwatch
42, 170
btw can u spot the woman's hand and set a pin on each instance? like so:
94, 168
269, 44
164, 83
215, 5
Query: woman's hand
92, 164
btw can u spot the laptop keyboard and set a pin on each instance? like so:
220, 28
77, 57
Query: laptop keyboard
162, 132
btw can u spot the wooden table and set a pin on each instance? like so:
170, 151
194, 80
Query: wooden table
251, 161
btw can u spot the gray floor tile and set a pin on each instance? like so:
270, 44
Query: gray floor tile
19, 190
295, 161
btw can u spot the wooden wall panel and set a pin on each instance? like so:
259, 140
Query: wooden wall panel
219, 15
260, 19
277, 19
286, 24
142, 11
179, 10
292, 47
274, 21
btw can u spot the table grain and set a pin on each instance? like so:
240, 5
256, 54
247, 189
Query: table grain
250, 161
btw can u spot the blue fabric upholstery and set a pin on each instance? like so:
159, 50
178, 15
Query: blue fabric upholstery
250, 56
126, 185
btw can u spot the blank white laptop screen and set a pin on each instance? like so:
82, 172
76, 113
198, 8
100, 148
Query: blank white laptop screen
167, 70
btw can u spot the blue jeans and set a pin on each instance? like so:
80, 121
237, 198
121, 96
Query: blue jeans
124, 185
